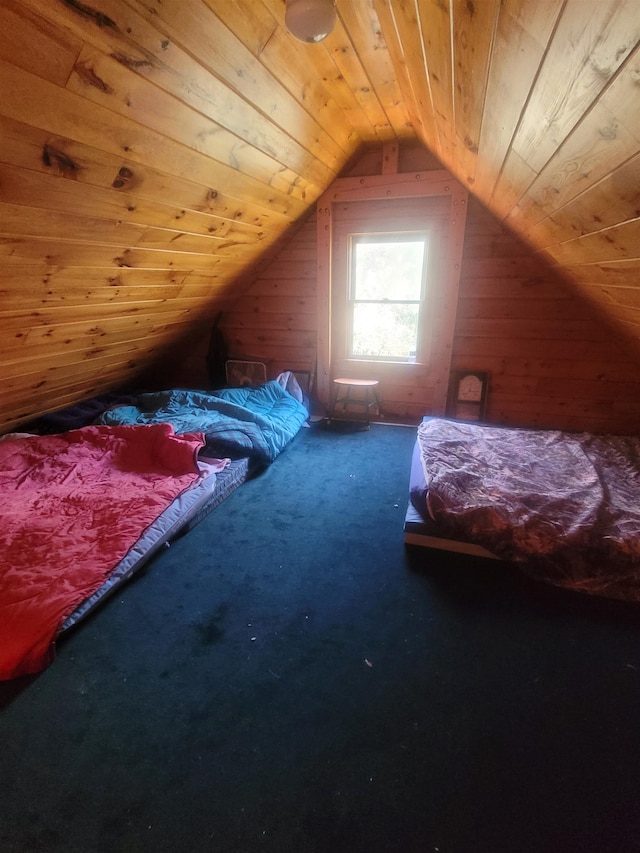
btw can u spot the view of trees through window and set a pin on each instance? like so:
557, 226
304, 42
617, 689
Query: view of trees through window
387, 288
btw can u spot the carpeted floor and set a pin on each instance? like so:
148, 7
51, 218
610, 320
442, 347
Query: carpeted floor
288, 678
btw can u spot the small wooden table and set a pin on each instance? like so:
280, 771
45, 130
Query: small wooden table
359, 393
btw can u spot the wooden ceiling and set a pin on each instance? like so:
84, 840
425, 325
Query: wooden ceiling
153, 150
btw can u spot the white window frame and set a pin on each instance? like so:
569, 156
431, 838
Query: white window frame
399, 236
445, 289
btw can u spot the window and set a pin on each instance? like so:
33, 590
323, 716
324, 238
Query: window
429, 208
386, 292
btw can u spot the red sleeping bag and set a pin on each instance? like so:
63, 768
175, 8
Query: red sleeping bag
71, 507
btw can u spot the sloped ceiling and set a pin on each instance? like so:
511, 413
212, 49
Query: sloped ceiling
152, 150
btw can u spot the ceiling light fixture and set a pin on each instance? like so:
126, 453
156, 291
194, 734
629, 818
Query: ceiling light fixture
310, 20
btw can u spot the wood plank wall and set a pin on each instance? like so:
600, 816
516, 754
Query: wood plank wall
553, 363
277, 317
552, 360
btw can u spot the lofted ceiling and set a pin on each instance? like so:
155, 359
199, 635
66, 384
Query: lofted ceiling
153, 150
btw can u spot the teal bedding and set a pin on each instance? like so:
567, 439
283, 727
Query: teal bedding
236, 422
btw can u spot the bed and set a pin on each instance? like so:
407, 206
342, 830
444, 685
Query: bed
564, 507
84, 509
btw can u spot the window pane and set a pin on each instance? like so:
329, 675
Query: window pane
386, 270
388, 331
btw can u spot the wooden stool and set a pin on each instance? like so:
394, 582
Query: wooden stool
361, 393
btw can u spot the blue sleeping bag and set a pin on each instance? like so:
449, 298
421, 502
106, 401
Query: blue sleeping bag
255, 422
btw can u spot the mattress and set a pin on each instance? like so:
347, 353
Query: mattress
563, 507
420, 529
182, 515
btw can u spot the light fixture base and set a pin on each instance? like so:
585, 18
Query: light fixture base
310, 21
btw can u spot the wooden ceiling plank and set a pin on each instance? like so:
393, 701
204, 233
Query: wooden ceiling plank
138, 44
413, 88
198, 30
508, 190
33, 401
68, 364
363, 26
312, 78
473, 27
180, 75
33, 189
620, 242
62, 315
30, 221
613, 199
601, 36
619, 274
310, 74
62, 112
40, 282
307, 71
608, 136
36, 373
59, 253
624, 297
35, 43
520, 42
33, 148
107, 328
352, 66
140, 339
14, 298
107, 82
434, 22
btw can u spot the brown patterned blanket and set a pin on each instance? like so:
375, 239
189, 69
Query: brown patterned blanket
564, 506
